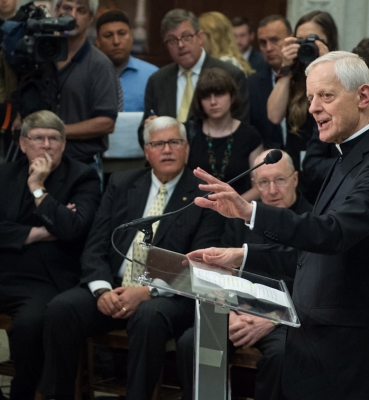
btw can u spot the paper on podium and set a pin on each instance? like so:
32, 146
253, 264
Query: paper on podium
123, 142
202, 278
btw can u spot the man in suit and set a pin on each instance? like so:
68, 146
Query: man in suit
277, 186
327, 357
101, 303
167, 89
245, 35
47, 206
271, 33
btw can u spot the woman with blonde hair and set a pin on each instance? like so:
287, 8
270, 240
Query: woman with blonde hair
219, 40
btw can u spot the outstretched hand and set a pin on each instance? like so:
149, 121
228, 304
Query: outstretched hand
225, 200
215, 256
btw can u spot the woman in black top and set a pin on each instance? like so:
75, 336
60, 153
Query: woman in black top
220, 144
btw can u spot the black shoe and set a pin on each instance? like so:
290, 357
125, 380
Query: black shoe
2, 397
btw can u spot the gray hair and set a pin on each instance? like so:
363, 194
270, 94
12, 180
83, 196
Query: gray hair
349, 68
92, 4
161, 123
285, 156
42, 119
175, 17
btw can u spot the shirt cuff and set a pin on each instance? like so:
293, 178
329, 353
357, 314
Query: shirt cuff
161, 290
245, 251
96, 285
251, 223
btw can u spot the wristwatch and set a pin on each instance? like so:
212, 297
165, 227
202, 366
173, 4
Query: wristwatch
153, 291
100, 292
38, 193
284, 71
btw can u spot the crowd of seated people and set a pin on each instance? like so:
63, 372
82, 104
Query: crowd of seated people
61, 279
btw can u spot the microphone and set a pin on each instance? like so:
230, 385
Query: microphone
143, 224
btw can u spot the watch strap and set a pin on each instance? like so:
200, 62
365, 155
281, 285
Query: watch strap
99, 292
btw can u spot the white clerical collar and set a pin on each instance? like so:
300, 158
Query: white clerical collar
196, 69
354, 136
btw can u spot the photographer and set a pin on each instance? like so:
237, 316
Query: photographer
288, 98
86, 97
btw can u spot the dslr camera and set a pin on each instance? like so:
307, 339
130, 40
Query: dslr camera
308, 50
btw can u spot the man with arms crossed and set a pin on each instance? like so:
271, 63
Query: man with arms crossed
327, 357
47, 204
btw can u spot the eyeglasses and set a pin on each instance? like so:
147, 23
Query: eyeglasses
173, 41
280, 181
160, 144
41, 139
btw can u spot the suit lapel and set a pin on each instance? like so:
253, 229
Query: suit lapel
56, 181
182, 195
331, 186
170, 95
136, 201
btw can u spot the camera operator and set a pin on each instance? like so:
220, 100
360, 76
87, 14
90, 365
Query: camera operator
315, 35
86, 98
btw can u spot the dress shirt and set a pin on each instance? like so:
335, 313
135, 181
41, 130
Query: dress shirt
182, 79
133, 79
154, 189
247, 53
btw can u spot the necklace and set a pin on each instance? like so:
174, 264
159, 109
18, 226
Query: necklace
227, 153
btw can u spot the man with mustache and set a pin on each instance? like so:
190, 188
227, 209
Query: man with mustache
103, 303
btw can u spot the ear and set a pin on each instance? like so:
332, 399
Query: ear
145, 151
252, 36
295, 178
363, 96
22, 144
97, 42
253, 183
187, 151
200, 35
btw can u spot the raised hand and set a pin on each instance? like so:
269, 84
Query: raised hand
39, 170
225, 200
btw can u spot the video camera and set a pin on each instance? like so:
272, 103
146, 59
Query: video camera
29, 38
308, 50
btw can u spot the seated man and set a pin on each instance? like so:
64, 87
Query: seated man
47, 205
276, 184
102, 304
114, 38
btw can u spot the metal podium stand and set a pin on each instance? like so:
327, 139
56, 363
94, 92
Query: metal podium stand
217, 290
